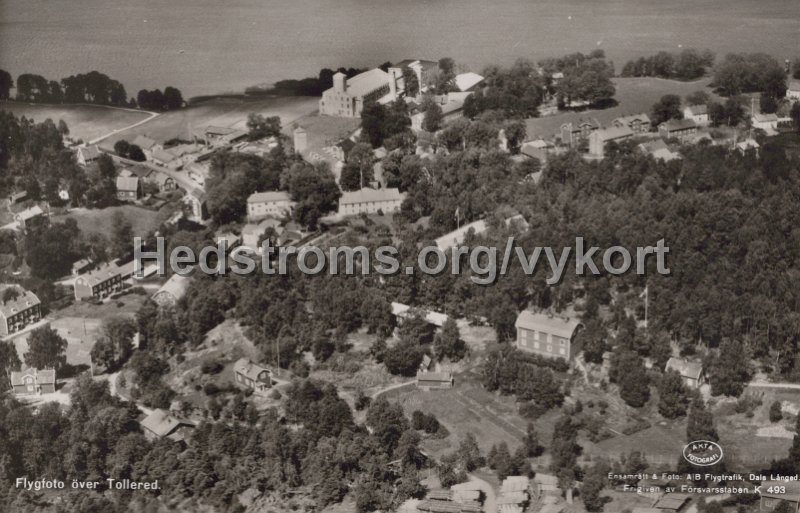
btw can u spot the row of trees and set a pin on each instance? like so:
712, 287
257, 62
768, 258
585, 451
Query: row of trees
170, 99
689, 64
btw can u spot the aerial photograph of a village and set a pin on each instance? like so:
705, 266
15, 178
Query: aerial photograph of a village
416, 256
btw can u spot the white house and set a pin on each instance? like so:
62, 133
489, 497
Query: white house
347, 97
370, 201
270, 203
768, 122
793, 91
87, 154
697, 113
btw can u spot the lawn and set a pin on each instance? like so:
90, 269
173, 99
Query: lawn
635, 95
85, 122
225, 112
143, 220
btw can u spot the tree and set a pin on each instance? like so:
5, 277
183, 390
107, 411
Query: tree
173, 99
730, 370
46, 349
6, 83
260, 127
432, 121
411, 82
136, 154
121, 235
631, 376
531, 442
403, 358
673, 398
515, 132
698, 98
9, 361
775, 412
358, 172
373, 119
668, 107
593, 483
564, 451
795, 115
768, 104
448, 343
314, 190
700, 425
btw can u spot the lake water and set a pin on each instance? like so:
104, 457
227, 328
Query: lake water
212, 46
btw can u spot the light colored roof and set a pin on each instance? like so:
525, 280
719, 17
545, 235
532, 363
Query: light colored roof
143, 142
434, 376
42, 377
575, 126
517, 497
163, 156
162, 423
435, 318
89, 152
761, 118
545, 479
466, 81
128, 183
698, 110
30, 213
249, 369
633, 117
268, 196
101, 274
748, 144
794, 85
678, 124
613, 133
685, 368
176, 286
371, 196
515, 484
466, 495
364, 83
654, 145
558, 326
25, 300
440, 495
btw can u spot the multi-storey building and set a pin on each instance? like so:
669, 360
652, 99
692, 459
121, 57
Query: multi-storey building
100, 283
547, 335
271, 203
18, 311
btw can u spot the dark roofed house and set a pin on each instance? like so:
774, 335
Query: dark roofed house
691, 372
129, 188
17, 197
81, 266
573, 133
547, 335
637, 123
161, 423
251, 375
196, 200
781, 492
33, 381
682, 129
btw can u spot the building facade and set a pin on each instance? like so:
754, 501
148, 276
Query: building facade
19, 312
347, 97
370, 201
98, 284
253, 376
683, 130
637, 123
33, 381
271, 203
129, 188
573, 133
697, 113
547, 335
598, 139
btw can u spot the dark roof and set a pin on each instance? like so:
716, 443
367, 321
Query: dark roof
26, 299
162, 423
673, 125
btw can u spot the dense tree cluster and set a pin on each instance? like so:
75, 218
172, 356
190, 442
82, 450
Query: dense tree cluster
749, 73
170, 99
586, 78
92, 87
689, 64
515, 92
508, 371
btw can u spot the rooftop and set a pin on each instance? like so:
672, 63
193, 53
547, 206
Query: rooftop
26, 299
89, 152
42, 377
466, 81
249, 369
128, 183
555, 325
30, 213
697, 110
364, 83
176, 286
633, 117
101, 274
678, 124
685, 368
162, 423
268, 196
371, 196
613, 133
143, 142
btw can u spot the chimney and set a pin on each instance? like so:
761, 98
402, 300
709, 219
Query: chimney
395, 74
339, 82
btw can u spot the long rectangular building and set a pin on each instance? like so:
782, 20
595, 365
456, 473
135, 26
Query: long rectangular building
18, 311
547, 335
100, 283
370, 201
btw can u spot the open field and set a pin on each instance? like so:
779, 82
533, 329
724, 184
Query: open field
225, 112
635, 95
143, 220
85, 122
